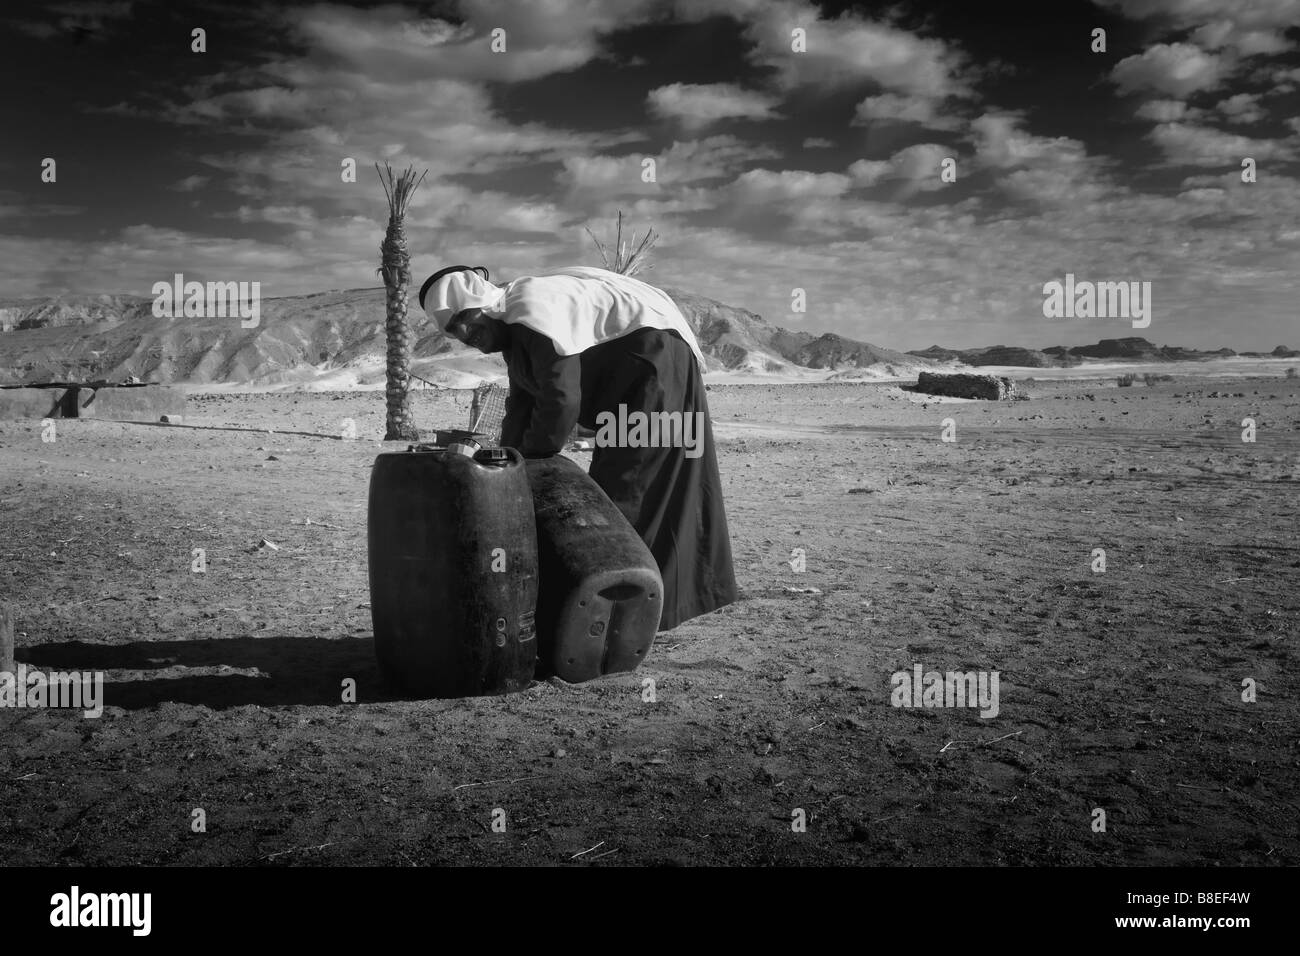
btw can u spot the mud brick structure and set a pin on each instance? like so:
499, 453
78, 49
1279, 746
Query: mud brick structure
31, 402
994, 388
104, 400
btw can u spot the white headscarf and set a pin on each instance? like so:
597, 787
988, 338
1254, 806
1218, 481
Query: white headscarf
575, 307
460, 290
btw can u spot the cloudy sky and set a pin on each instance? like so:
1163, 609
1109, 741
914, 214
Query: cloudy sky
775, 168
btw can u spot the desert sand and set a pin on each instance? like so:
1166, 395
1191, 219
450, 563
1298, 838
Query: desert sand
1119, 690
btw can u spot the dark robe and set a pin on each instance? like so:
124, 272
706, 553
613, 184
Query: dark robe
674, 502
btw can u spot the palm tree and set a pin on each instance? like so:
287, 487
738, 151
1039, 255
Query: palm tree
629, 256
396, 271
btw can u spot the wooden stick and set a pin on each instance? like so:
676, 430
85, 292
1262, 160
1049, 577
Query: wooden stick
585, 852
484, 783
1016, 733
894, 816
319, 846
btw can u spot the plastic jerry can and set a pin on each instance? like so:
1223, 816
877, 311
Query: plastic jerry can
599, 590
453, 570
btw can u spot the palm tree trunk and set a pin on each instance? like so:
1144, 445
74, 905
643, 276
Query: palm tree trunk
397, 332
396, 270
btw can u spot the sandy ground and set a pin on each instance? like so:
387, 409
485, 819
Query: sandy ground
1118, 690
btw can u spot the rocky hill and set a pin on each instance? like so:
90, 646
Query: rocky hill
1131, 349
1280, 352
107, 310
832, 351
998, 355
337, 338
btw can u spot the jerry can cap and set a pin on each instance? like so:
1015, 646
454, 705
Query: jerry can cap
467, 447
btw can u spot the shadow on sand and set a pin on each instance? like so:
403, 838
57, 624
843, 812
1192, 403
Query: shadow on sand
292, 670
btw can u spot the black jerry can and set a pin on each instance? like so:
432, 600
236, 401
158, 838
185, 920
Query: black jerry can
600, 594
452, 553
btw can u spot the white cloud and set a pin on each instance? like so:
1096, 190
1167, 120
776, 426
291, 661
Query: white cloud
447, 126
901, 108
835, 219
921, 162
698, 105
592, 182
190, 183
1174, 69
1046, 169
140, 255
713, 157
261, 103
1238, 28
1223, 34
38, 210
1185, 13
298, 216
1285, 81
685, 200
1185, 144
1050, 185
919, 168
1203, 195
868, 172
1162, 111
554, 22
1241, 108
604, 175
86, 19
541, 38
817, 142
840, 52
495, 211
759, 186
1000, 142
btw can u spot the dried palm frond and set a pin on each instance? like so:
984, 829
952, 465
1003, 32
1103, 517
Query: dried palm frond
629, 256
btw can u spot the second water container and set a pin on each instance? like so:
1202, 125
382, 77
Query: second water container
600, 594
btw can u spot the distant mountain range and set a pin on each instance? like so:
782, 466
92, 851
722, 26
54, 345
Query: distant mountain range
339, 337
336, 339
1059, 356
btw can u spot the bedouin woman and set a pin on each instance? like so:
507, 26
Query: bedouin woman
579, 342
